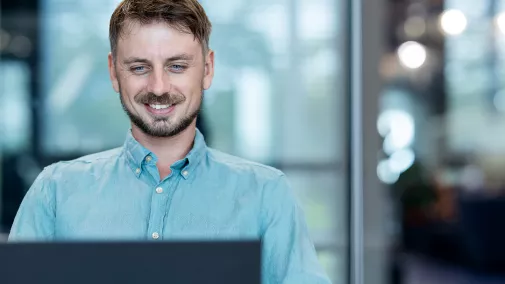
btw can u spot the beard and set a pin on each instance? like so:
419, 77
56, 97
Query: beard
160, 127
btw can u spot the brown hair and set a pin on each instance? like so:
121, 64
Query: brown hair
184, 15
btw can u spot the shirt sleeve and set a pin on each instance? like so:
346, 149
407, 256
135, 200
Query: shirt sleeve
289, 256
35, 218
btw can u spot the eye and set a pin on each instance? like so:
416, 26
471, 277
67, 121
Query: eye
138, 69
177, 68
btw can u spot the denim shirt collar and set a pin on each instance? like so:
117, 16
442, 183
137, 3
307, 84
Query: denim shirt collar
136, 154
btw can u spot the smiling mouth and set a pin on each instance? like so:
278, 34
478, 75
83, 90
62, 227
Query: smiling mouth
155, 106
159, 109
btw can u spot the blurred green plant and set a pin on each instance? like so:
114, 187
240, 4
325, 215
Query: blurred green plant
413, 189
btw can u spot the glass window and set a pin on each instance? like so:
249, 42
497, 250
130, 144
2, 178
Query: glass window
15, 106
82, 112
278, 75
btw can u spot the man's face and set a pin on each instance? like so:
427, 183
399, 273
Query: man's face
161, 74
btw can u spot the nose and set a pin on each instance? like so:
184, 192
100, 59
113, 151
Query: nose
159, 83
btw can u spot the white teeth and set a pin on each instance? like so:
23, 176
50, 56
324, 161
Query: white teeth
160, 106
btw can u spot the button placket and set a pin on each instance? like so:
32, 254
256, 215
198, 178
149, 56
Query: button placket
160, 206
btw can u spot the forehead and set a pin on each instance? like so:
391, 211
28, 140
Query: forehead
156, 39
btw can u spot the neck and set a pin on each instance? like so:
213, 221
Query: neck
168, 150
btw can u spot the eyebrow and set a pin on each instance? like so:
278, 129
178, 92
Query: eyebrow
182, 56
130, 60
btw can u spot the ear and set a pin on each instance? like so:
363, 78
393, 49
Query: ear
208, 70
112, 73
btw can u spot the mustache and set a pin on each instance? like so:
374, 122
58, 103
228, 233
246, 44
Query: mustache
165, 99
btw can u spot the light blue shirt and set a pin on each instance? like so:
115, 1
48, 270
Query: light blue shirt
118, 195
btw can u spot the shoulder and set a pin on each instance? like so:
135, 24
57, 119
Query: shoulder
89, 164
96, 158
270, 184
240, 167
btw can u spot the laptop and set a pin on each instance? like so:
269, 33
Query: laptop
131, 263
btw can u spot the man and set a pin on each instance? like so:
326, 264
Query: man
164, 182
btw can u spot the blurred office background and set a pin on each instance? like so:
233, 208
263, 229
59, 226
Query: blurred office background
433, 118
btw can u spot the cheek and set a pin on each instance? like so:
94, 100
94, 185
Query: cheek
132, 87
190, 85
183, 87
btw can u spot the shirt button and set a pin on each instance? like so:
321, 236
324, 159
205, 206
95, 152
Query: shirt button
148, 158
155, 235
185, 173
137, 171
159, 190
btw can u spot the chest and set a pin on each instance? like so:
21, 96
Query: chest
169, 210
